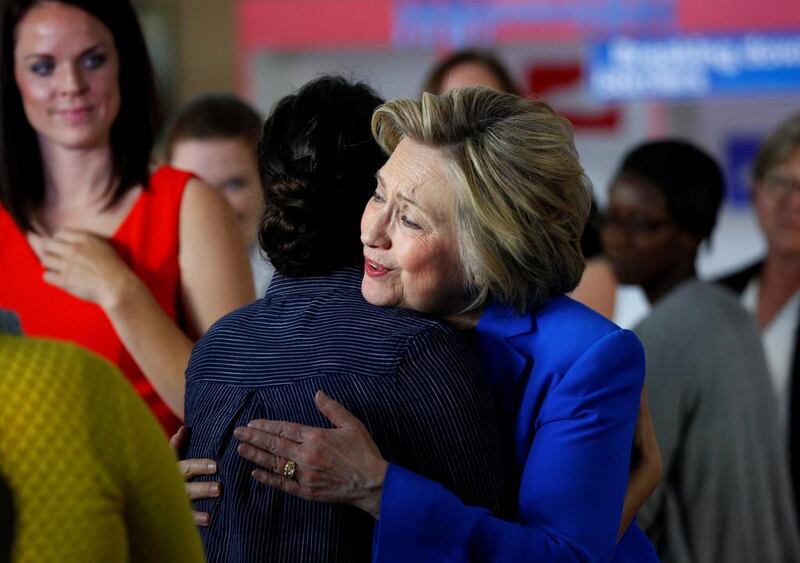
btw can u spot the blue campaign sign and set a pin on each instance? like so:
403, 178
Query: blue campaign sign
459, 23
740, 152
626, 68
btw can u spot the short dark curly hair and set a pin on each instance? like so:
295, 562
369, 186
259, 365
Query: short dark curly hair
690, 179
318, 161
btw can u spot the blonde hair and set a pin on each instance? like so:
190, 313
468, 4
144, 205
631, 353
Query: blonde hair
523, 198
777, 147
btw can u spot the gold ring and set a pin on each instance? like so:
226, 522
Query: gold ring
289, 469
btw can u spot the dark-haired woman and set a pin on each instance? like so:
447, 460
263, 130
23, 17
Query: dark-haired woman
94, 248
411, 379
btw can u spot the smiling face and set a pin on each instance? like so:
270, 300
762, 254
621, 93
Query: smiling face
777, 199
409, 234
66, 68
229, 165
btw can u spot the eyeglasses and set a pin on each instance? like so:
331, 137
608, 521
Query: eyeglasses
636, 225
780, 186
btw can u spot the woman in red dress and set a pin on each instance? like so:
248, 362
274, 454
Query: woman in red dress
94, 248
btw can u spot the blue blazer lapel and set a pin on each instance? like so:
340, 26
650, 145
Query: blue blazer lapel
506, 356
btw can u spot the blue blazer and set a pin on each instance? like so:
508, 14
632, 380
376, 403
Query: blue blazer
567, 383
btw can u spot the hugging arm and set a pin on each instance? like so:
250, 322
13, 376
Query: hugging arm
571, 497
191, 468
573, 483
443, 426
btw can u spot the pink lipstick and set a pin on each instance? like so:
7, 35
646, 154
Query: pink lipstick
374, 269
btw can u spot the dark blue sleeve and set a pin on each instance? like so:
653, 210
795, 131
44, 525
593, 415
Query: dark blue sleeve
573, 483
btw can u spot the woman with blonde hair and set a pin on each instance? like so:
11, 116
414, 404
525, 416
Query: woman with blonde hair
477, 218
473, 67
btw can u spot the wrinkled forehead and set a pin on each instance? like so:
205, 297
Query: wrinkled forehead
421, 175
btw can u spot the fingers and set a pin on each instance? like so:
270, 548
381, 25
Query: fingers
55, 278
178, 440
282, 483
334, 411
261, 458
58, 243
73, 236
201, 519
54, 261
36, 242
288, 430
268, 442
52, 246
193, 467
54, 253
198, 491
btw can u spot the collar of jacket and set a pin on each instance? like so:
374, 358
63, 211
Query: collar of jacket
501, 322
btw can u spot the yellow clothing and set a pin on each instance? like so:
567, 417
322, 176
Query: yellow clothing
93, 477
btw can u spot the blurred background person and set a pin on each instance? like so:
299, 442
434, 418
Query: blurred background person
477, 217
598, 286
410, 379
474, 67
726, 495
469, 67
215, 137
770, 288
92, 474
129, 264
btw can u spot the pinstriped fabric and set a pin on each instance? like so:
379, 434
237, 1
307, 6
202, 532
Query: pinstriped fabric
413, 382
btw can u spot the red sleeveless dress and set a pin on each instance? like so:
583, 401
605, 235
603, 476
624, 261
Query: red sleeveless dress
147, 240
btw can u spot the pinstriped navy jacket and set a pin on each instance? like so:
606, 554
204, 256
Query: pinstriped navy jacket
412, 380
